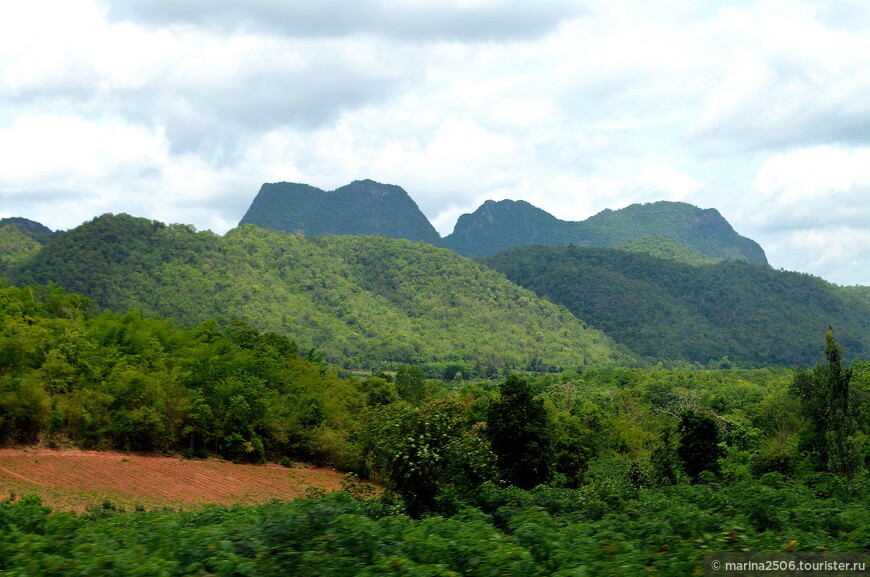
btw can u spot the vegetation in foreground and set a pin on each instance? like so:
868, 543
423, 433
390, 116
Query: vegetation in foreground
605, 471
607, 527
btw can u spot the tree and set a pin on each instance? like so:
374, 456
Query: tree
417, 449
824, 397
519, 435
411, 384
699, 444
199, 419
664, 461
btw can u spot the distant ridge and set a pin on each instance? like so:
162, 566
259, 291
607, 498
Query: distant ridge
35, 230
19, 239
361, 207
366, 207
497, 226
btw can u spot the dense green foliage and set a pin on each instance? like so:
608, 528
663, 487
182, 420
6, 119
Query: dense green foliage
728, 311
497, 226
603, 529
665, 249
364, 302
704, 230
362, 207
519, 434
860, 294
593, 470
828, 403
126, 382
15, 246
699, 444
37, 231
612, 444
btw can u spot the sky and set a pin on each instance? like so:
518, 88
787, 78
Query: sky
179, 111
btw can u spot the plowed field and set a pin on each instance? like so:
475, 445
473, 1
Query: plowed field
76, 480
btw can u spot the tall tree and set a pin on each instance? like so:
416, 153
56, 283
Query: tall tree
824, 396
519, 435
699, 443
411, 384
423, 450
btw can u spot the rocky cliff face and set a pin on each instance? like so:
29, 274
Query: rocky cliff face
497, 226
368, 207
362, 207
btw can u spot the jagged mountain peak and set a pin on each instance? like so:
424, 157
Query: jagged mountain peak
361, 207
373, 208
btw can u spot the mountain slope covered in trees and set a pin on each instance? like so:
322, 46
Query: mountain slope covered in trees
368, 207
497, 226
35, 230
667, 309
21, 238
361, 301
15, 246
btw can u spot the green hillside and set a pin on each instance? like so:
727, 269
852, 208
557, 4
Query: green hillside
19, 239
361, 301
35, 230
860, 294
666, 309
497, 226
704, 230
666, 249
15, 246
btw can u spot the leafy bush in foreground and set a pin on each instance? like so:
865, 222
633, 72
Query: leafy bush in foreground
600, 529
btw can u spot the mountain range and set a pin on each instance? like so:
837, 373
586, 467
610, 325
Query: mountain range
362, 301
368, 207
680, 285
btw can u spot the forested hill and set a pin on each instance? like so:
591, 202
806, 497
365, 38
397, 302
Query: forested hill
362, 207
666, 309
35, 230
361, 301
497, 226
15, 246
372, 208
19, 239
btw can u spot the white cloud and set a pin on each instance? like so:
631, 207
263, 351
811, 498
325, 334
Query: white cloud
812, 212
674, 185
838, 254
787, 79
58, 149
468, 20
812, 174
180, 111
62, 170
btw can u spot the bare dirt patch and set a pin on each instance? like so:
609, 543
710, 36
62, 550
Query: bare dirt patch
76, 480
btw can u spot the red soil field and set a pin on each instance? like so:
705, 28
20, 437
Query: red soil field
73, 480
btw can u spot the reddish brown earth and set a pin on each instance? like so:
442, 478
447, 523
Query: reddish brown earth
76, 480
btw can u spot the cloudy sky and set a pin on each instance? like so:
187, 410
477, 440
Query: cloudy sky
179, 111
